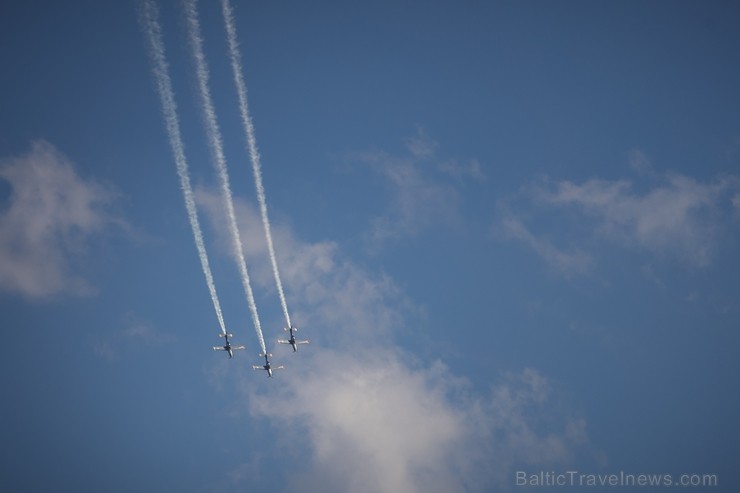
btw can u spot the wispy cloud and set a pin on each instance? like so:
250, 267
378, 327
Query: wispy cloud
134, 332
421, 145
639, 162
460, 171
47, 221
421, 194
668, 215
680, 216
416, 202
572, 263
145, 333
369, 415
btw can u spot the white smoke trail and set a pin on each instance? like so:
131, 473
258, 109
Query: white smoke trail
241, 89
216, 146
153, 32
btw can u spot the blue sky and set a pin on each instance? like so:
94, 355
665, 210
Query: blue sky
510, 230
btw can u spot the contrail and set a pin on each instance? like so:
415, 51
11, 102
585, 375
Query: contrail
241, 89
216, 146
153, 31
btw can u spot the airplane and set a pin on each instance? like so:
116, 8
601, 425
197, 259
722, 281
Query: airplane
292, 341
267, 367
227, 347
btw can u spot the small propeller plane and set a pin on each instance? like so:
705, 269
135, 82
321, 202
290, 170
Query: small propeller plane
267, 366
227, 346
292, 341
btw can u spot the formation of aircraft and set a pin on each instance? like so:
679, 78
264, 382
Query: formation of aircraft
227, 346
267, 366
292, 340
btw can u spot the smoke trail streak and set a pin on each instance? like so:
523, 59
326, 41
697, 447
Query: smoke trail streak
216, 146
148, 18
241, 89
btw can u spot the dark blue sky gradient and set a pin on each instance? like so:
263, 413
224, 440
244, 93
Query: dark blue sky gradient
114, 387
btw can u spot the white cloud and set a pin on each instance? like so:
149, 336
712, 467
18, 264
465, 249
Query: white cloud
681, 216
671, 216
376, 424
50, 216
373, 425
369, 416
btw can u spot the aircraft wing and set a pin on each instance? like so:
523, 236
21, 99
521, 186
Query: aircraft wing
218, 348
255, 367
280, 341
302, 342
238, 347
